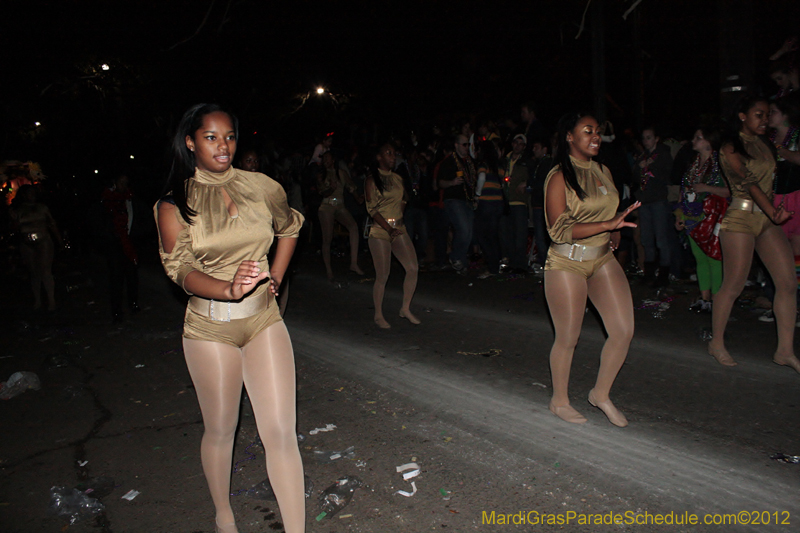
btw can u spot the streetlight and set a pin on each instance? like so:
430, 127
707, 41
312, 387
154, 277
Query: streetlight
37, 124
104, 66
320, 90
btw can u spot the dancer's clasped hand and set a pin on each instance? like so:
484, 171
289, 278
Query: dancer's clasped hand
247, 277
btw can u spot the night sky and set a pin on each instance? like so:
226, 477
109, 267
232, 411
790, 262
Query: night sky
402, 64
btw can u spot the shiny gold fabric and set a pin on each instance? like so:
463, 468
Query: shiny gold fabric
758, 170
389, 204
217, 243
596, 207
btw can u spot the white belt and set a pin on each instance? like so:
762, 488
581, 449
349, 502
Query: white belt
395, 222
579, 252
741, 204
226, 311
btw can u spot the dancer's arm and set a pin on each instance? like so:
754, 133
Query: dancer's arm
198, 283
556, 205
284, 249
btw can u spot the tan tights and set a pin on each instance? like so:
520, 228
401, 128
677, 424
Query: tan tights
266, 367
775, 252
566, 294
327, 218
382, 251
39, 260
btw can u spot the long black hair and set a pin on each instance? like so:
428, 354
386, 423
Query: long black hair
488, 155
745, 104
376, 175
566, 124
183, 160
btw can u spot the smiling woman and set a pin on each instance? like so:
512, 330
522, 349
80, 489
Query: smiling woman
216, 225
581, 212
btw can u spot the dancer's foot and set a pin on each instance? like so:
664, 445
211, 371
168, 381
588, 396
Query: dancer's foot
354, 268
787, 360
567, 413
408, 316
230, 527
613, 414
721, 355
381, 322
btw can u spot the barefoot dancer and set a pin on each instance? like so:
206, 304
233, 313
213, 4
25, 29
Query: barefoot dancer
388, 235
752, 223
581, 209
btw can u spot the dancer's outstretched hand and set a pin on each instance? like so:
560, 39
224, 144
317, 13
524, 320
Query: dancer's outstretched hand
618, 222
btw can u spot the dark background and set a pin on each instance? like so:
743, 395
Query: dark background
403, 65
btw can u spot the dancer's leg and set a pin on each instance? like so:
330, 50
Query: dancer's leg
403, 249
610, 293
566, 296
326, 218
381, 251
216, 371
269, 376
737, 249
346, 219
775, 252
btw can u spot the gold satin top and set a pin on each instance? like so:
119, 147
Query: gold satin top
390, 203
337, 180
217, 243
759, 170
596, 207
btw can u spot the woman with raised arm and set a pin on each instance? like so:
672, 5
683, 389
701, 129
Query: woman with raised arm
385, 201
581, 214
751, 223
215, 227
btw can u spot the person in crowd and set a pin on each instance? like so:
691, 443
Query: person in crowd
457, 178
331, 183
121, 251
490, 206
31, 219
385, 196
783, 69
540, 168
215, 228
516, 175
784, 123
703, 194
249, 160
321, 148
751, 223
581, 212
532, 126
415, 216
783, 133
652, 169
438, 221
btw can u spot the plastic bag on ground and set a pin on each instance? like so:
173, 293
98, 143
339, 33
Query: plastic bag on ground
73, 504
18, 383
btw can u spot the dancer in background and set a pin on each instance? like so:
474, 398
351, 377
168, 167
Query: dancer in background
752, 224
387, 236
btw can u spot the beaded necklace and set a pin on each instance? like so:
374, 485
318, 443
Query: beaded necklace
700, 172
646, 173
468, 173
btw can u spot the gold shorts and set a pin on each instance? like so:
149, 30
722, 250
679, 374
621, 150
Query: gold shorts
586, 269
237, 332
739, 221
377, 232
333, 209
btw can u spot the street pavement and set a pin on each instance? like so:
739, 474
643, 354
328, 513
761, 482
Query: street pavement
464, 395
